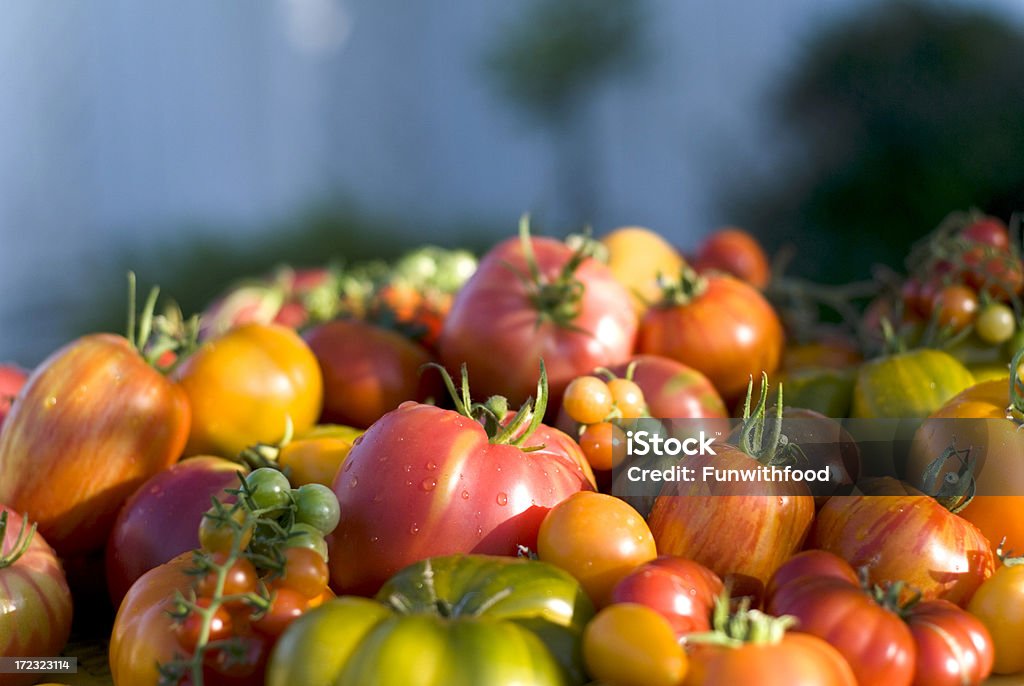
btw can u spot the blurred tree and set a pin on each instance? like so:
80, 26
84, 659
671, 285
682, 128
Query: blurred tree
901, 115
551, 62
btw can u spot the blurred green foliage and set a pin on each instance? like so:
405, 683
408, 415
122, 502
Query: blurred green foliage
193, 267
900, 115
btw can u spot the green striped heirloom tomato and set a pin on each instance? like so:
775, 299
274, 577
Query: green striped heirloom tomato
908, 385
35, 603
460, 620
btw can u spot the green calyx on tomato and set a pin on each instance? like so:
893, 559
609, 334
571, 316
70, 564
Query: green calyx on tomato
734, 629
21, 542
494, 410
560, 299
954, 489
159, 337
682, 291
766, 445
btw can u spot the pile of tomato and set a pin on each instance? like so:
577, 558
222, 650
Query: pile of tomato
411, 473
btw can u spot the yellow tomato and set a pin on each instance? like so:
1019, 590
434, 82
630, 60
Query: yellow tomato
244, 386
316, 456
999, 604
628, 644
636, 256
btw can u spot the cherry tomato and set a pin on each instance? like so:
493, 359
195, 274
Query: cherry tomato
270, 488
188, 630
218, 537
587, 400
240, 578
599, 442
286, 605
317, 506
598, 539
999, 604
956, 306
305, 572
989, 231
306, 536
628, 644
628, 397
996, 323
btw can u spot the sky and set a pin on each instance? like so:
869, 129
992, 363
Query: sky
129, 127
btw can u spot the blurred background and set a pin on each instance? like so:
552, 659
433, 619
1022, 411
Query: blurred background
198, 142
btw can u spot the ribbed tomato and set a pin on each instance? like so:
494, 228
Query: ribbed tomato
720, 326
35, 603
681, 590
93, 422
900, 534
424, 481
535, 299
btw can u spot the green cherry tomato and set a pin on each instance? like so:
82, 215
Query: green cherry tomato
306, 536
270, 488
317, 506
995, 324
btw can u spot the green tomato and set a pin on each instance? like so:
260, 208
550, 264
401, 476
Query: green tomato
317, 506
908, 385
306, 536
828, 391
270, 488
462, 620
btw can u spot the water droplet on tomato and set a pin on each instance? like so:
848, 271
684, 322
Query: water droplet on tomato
408, 482
377, 498
354, 482
431, 466
50, 402
407, 468
479, 531
502, 499
498, 467
415, 528
348, 465
465, 495
374, 539
428, 484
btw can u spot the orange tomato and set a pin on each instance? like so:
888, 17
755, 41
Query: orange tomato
636, 257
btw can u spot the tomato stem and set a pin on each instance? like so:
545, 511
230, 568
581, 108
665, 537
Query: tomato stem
684, 289
21, 542
954, 490
775, 448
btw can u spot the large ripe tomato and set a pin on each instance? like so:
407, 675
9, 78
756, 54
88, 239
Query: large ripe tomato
481, 620
93, 422
172, 503
999, 605
367, 370
424, 481
12, 378
533, 299
824, 595
598, 539
741, 531
736, 252
793, 659
244, 387
977, 420
953, 647
901, 534
35, 617
720, 326
681, 590
637, 257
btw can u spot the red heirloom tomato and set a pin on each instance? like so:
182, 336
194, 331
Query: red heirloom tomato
367, 370
93, 422
35, 617
736, 252
900, 534
953, 647
532, 299
681, 590
161, 519
424, 481
245, 385
823, 593
720, 326
12, 378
